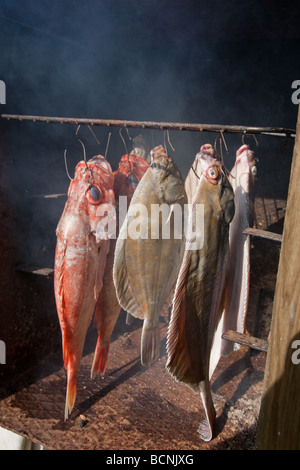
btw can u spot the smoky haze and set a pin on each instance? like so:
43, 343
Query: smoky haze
189, 61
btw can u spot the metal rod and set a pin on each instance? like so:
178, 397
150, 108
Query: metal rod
24, 268
277, 237
174, 126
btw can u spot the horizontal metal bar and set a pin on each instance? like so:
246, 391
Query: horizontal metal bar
174, 126
246, 340
277, 237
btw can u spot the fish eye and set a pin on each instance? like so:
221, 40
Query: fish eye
132, 180
94, 194
213, 173
254, 170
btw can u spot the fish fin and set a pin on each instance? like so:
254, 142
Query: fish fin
103, 251
217, 344
216, 349
100, 358
178, 362
150, 344
124, 291
206, 426
71, 393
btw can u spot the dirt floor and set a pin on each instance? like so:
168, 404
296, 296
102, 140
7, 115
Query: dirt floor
133, 407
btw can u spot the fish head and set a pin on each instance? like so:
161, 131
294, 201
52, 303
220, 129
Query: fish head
132, 164
130, 172
162, 164
168, 175
244, 173
217, 185
90, 191
208, 149
206, 153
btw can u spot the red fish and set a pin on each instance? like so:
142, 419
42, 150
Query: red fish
130, 171
80, 260
127, 176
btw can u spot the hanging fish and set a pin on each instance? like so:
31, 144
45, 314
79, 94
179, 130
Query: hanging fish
191, 181
147, 260
198, 292
126, 178
140, 148
131, 170
80, 260
242, 177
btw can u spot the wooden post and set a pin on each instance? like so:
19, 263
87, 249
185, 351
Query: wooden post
279, 419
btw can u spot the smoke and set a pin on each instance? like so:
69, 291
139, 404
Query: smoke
186, 61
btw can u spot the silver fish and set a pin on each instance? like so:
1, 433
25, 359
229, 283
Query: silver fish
146, 267
200, 284
242, 177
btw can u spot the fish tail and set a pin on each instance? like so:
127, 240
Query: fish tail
206, 426
100, 358
71, 393
150, 344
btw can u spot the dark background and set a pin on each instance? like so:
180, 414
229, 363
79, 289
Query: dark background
215, 62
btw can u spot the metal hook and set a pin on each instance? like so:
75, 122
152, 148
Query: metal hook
84, 157
215, 143
120, 132
107, 144
221, 152
66, 165
195, 172
93, 133
224, 141
84, 152
170, 141
130, 138
251, 135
